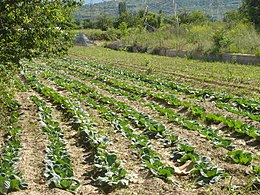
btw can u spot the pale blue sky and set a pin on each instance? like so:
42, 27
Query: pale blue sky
94, 1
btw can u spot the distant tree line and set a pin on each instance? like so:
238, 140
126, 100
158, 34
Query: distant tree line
249, 11
147, 19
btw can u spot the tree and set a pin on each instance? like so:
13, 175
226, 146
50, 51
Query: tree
153, 21
32, 27
122, 8
195, 17
233, 16
251, 8
87, 23
104, 22
130, 19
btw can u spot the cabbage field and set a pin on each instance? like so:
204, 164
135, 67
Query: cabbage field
81, 127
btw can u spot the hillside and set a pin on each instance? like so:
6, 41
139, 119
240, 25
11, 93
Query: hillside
215, 9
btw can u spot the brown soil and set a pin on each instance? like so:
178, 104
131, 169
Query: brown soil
145, 183
34, 143
218, 155
183, 77
122, 147
210, 108
80, 156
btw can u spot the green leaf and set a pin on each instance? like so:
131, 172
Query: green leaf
256, 170
186, 148
15, 184
240, 157
166, 172
111, 159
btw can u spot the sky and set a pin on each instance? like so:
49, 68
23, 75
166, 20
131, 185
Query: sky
94, 1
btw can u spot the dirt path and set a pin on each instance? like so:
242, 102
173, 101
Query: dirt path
130, 161
80, 157
141, 107
118, 143
34, 143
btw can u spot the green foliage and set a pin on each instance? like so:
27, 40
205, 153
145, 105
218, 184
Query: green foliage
108, 167
240, 157
123, 28
152, 21
251, 8
132, 20
122, 8
58, 166
30, 28
256, 170
233, 16
10, 177
87, 23
104, 22
197, 35
113, 34
220, 41
108, 108
243, 38
195, 17
195, 32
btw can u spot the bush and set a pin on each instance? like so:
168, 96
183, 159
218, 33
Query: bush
244, 39
220, 41
113, 34
198, 35
6, 74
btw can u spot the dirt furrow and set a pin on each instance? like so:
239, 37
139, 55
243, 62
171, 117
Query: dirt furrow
179, 75
118, 143
182, 77
140, 106
131, 163
209, 106
80, 156
34, 143
217, 155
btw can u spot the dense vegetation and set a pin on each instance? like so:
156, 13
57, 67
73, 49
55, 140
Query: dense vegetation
193, 31
215, 9
29, 29
251, 9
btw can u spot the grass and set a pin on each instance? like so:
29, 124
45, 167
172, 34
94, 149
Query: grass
6, 94
233, 37
240, 80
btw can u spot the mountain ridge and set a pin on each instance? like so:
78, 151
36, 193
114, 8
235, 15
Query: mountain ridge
214, 8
